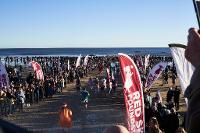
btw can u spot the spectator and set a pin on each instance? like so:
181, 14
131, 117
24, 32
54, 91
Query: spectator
192, 54
20, 98
9, 102
177, 93
154, 126
173, 78
78, 83
116, 129
172, 122
2, 102
170, 94
180, 130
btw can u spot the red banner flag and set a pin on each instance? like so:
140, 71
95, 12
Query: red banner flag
38, 70
133, 94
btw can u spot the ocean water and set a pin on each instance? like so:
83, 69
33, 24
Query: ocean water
82, 51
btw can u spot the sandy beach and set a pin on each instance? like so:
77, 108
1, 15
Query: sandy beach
104, 109
102, 112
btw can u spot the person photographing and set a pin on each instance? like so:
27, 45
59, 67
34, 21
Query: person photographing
192, 93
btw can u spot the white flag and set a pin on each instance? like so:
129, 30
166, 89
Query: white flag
78, 61
86, 60
68, 66
154, 73
183, 67
146, 61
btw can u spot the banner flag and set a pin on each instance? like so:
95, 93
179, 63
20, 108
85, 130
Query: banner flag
38, 70
146, 62
155, 73
4, 80
183, 67
78, 61
133, 94
68, 66
86, 60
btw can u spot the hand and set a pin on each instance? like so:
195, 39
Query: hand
192, 52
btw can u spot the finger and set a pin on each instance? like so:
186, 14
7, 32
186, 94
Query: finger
193, 33
191, 29
188, 38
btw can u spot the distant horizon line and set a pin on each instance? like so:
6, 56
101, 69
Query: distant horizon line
73, 47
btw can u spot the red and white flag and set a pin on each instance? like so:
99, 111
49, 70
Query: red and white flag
133, 94
38, 70
154, 73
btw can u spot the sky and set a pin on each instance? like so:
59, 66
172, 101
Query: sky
94, 23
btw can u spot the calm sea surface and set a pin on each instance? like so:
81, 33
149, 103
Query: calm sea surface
82, 51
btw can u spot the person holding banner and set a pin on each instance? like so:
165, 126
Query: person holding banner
192, 54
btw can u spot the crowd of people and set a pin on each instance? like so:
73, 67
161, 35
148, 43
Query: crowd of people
165, 113
25, 90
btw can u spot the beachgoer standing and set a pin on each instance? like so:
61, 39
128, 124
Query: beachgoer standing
170, 95
90, 83
78, 84
177, 93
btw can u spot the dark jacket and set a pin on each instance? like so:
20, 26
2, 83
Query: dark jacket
193, 94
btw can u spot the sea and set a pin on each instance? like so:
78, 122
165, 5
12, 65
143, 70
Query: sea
82, 51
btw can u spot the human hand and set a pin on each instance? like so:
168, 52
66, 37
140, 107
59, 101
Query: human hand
192, 52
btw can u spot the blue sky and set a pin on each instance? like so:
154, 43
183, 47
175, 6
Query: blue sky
95, 23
